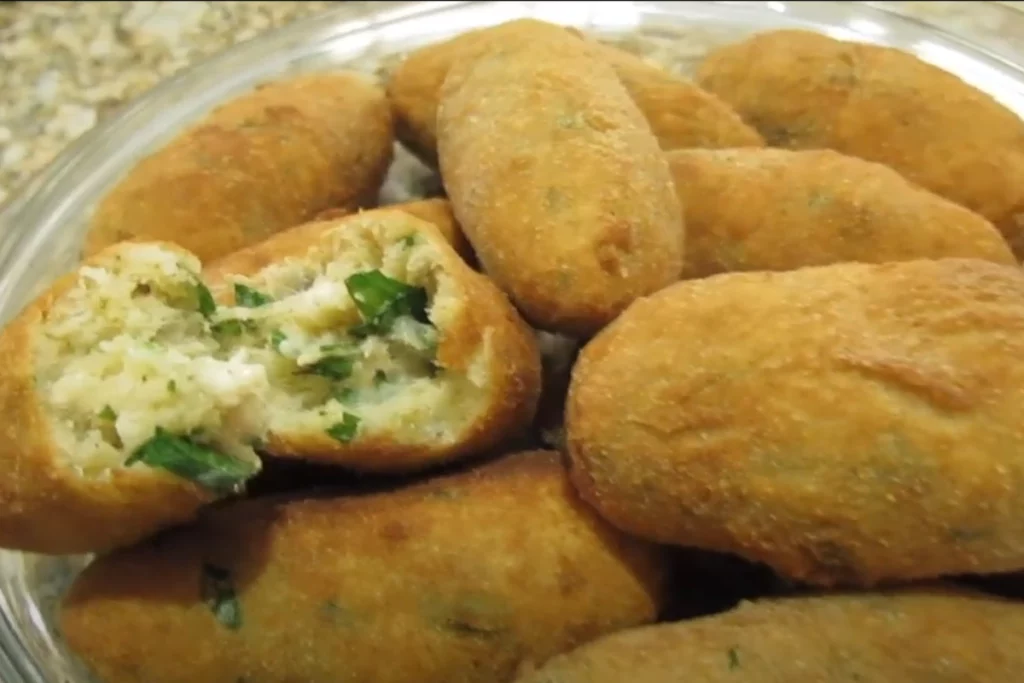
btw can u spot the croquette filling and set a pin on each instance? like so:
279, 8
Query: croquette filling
140, 367
349, 336
130, 373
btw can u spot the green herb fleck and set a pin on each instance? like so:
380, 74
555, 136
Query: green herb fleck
554, 199
965, 535
410, 240
434, 369
172, 386
207, 306
475, 615
249, 297
233, 327
108, 414
277, 338
445, 494
344, 395
218, 592
381, 300
379, 377
336, 614
185, 458
818, 199
734, 658
344, 431
331, 367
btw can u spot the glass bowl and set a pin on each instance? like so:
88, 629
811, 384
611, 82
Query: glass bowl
41, 228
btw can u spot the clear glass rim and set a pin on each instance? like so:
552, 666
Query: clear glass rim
340, 21
217, 75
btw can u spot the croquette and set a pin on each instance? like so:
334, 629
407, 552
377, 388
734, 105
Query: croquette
680, 114
262, 162
138, 387
385, 350
815, 207
459, 579
912, 635
437, 212
845, 424
119, 417
805, 90
557, 181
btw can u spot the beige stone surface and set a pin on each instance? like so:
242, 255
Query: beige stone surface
64, 66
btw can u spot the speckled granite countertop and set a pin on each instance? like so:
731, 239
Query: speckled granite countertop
66, 65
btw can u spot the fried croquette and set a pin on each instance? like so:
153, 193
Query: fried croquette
120, 418
815, 207
680, 114
921, 635
459, 579
843, 424
263, 162
437, 212
805, 90
385, 351
557, 181
371, 345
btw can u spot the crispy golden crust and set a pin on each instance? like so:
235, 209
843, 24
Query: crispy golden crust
844, 424
435, 210
557, 181
679, 113
261, 163
806, 90
514, 359
46, 506
910, 635
815, 207
457, 580
297, 239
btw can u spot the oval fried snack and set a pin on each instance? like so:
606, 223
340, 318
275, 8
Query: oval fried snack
136, 394
805, 90
843, 424
460, 579
92, 369
679, 113
385, 350
911, 635
437, 212
262, 162
815, 207
557, 181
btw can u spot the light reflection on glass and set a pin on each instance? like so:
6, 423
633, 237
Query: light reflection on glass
866, 27
1003, 88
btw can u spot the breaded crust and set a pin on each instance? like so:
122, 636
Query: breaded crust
680, 114
263, 162
557, 181
923, 634
513, 362
805, 90
844, 424
459, 579
436, 211
815, 207
46, 505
